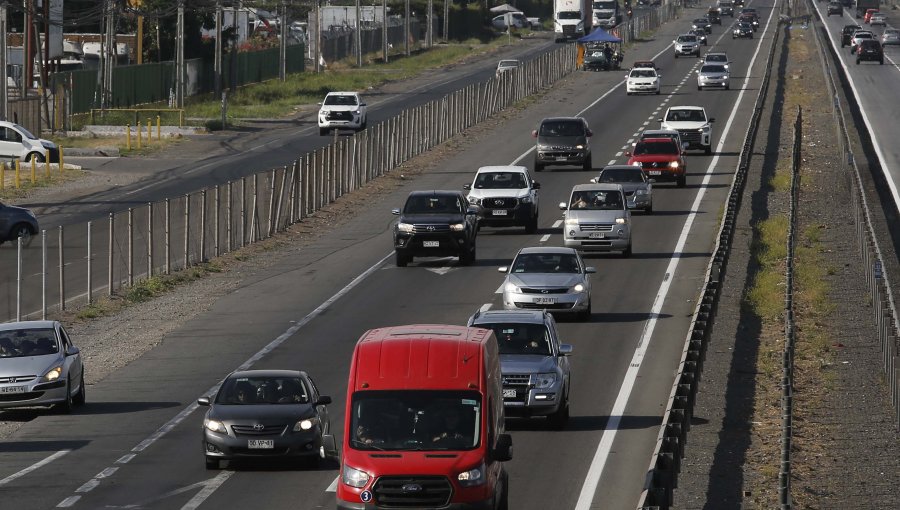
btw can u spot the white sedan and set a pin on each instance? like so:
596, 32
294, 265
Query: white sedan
642, 80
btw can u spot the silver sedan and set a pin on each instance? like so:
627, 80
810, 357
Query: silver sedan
713, 75
39, 366
890, 36
548, 278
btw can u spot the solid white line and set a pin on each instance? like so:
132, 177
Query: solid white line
485, 307
557, 223
499, 289
612, 161
333, 486
36, 465
66, 503
545, 238
207, 490
604, 448
619, 154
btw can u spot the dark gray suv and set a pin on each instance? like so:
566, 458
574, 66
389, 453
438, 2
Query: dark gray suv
562, 141
533, 363
436, 223
16, 222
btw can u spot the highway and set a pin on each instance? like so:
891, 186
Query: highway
137, 442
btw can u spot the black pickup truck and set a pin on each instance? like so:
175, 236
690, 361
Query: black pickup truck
435, 223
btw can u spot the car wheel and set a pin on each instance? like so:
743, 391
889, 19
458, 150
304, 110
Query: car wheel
881, 62
212, 463
467, 257
649, 209
682, 181
676, 55
727, 86
538, 167
81, 396
560, 418
531, 226
65, 407
22, 230
323, 131
699, 87
587, 166
707, 150
37, 157
402, 259
627, 251
627, 93
585, 315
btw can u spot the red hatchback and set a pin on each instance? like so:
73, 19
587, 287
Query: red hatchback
660, 159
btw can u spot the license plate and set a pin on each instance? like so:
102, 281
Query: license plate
561, 158
655, 172
12, 389
500, 212
545, 300
509, 393
260, 444
431, 244
597, 235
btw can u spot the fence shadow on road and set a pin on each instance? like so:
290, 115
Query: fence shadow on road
41, 446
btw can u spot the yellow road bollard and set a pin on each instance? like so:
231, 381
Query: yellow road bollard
128, 137
158, 135
140, 143
33, 171
17, 173
61, 164
149, 131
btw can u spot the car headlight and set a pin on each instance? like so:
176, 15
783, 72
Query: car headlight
705, 128
579, 287
53, 374
525, 200
579, 147
472, 477
457, 227
474, 200
641, 192
621, 221
406, 227
571, 221
215, 426
543, 381
356, 112
306, 424
354, 477
511, 287
673, 164
48, 144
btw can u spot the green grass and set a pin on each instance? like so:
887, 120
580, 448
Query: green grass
766, 295
781, 181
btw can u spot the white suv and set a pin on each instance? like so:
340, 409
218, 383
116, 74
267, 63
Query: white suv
687, 44
693, 125
342, 110
506, 196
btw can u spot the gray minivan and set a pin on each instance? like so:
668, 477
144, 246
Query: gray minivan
597, 219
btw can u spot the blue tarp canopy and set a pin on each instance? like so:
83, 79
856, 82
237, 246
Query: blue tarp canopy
599, 35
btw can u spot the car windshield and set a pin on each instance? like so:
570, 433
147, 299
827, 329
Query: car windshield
686, 116
712, 68
263, 390
643, 73
340, 100
546, 263
645, 64
605, 4
500, 180
28, 342
569, 15
415, 420
596, 200
862, 35
621, 175
716, 57
431, 204
687, 38
508, 63
701, 21
521, 338
562, 128
655, 147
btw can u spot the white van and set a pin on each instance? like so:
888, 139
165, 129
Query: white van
18, 143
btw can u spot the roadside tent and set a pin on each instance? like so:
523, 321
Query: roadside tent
597, 37
503, 9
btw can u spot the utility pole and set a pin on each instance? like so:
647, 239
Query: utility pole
446, 21
358, 37
406, 32
282, 54
217, 64
234, 43
179, 57
4, 110
315, 39
384, 31
28, 61
429, 37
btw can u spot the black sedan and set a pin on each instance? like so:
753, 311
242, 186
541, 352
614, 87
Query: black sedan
702, 24
835, 8
741, 30
701, 35
264, 413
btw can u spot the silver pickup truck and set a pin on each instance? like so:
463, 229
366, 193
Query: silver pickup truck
534, 364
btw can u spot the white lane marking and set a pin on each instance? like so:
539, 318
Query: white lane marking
439, 270
333, 486
557, 223
645, 123
168, 426
619, 154
66, 503
499, 289
545, 238
37, 465
612, 161
125, 458
207, 490
629, 141
485, 307
604, 448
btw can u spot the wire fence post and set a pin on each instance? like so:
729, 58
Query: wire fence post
168, 243
111, 274
90, 289
187, 230
149, 240
18, 277
216, 224
43, 275
203, 226
62, 272
130, 247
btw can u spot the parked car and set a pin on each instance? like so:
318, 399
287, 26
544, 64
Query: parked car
701, 35
433, 224
264, 413
637, 186
642, 80
597, 219
693, 124
507, 65
702, 24
713, 75
342, 110
869, 50
533, 361
835, 8
516, 20
660, 159
18, 143
548, 278
717, 58
878, 18
742, 30
847, 34
39, 366
890, 36
506, 196
562, 141
858, 37
16, 222
687, 44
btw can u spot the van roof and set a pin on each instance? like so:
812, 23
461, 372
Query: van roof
426, 356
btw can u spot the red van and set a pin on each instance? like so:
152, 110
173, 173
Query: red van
424, 421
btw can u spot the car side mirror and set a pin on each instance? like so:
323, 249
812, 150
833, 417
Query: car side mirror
534, 133
628, 153
593, 180
362, 104
590, 270
320, 104
395, 212
324, 400
562, 206
535, 185
659, 120
467, 186
203, 401
711, 120
503, 450
589, 133
565, 349
502, 269
72, 350
329, 447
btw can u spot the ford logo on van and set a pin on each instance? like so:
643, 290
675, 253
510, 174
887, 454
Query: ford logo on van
411, 487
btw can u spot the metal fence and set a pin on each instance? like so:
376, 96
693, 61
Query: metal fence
647, 20
74, 265
340, 44
665, 464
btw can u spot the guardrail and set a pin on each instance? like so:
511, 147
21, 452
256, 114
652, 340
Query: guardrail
101, 257
665, 464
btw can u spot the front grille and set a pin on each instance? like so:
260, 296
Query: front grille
596, 227
516, 379
20, 397
691, 136
248, 430
274, 452
499, 203
597, 243
558, 290
412, 491
535, 306
568, 29
17, 379
427, 228
518, 382
339, 116
654, 165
